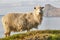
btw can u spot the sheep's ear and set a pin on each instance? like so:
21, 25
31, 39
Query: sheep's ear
34, 7
42, 7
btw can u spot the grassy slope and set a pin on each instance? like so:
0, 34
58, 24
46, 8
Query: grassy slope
33, 35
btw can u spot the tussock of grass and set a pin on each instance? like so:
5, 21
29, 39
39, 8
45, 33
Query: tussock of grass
51, 35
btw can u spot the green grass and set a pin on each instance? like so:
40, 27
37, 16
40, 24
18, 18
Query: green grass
54, 35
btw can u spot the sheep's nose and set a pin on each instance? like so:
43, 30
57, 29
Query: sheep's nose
38, 10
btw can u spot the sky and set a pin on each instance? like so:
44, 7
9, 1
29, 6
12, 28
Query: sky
7, 6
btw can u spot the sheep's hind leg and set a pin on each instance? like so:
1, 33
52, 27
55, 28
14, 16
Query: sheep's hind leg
7, 34
7, 31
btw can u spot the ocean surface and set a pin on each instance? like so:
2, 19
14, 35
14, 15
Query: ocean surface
48, 23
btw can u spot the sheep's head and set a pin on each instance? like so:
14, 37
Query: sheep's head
38, 9
38, 13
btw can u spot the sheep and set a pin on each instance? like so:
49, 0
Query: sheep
22, 21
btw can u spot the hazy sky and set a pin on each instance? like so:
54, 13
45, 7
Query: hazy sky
7, 6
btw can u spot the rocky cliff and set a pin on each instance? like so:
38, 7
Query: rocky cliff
51, 11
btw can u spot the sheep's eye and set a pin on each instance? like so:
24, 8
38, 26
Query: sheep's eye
34, 7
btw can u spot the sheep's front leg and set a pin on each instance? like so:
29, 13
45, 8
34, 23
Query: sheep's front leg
28, 29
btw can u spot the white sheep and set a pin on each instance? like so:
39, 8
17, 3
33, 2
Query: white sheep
22, 21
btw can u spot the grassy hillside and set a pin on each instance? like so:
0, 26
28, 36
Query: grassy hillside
36, 35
